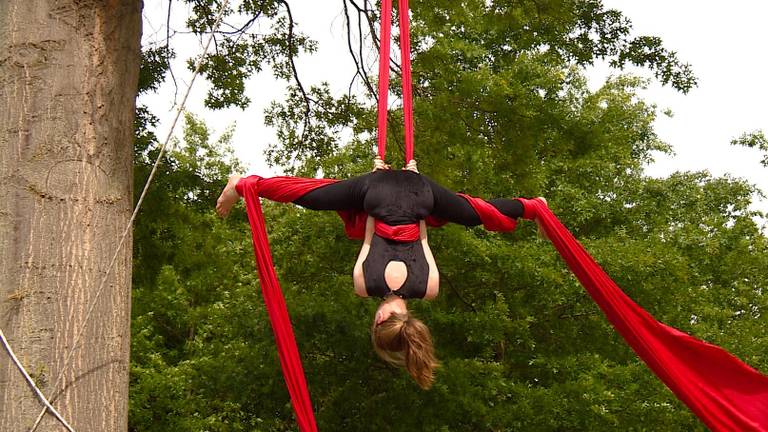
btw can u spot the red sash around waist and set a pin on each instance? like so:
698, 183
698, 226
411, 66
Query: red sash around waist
401, 233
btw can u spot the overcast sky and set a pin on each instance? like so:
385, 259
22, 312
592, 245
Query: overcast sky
724, 42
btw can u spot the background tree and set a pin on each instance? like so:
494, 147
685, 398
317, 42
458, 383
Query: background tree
68, 75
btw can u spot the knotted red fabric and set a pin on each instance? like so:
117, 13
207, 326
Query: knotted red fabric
401, 233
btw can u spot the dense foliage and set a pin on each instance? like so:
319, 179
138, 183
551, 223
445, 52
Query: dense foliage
502, 109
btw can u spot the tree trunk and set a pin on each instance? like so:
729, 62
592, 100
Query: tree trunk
68, 78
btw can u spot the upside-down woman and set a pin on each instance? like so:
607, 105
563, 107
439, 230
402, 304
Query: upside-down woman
395, 262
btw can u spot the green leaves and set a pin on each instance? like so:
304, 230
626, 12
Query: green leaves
756, 140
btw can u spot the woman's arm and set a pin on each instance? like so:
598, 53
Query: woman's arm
358, 276
433, 279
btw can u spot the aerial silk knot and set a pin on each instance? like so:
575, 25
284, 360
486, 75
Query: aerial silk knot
250, 182
531, 207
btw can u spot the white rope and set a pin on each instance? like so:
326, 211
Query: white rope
31, 383
127, 230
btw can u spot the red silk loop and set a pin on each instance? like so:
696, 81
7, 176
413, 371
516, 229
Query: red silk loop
401, 233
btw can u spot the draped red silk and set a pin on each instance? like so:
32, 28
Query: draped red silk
278, 312
725, 393
405, 63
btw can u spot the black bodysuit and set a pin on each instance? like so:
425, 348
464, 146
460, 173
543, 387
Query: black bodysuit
399, 197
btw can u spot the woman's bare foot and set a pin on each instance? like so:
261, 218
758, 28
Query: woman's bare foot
229, 197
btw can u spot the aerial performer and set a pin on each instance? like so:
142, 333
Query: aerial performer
395, 262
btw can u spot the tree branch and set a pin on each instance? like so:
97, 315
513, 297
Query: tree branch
393, 65
471, 305
168, 52
241, 29
307, 99
360, 66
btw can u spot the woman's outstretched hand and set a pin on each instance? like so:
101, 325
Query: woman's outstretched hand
229, 197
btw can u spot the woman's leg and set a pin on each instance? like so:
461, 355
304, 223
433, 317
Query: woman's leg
343, 195
453, 208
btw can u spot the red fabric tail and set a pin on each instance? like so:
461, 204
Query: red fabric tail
278, 313
725, 393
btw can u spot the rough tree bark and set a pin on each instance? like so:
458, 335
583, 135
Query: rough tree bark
68, 79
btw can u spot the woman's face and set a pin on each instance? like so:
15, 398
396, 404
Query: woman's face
388, 306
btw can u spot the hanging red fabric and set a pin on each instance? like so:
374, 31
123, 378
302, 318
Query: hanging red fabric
405, 60
725, 393
277, 311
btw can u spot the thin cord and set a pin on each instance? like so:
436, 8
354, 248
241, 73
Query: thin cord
128, 228
31, 383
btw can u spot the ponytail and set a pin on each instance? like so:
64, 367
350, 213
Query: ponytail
405, 341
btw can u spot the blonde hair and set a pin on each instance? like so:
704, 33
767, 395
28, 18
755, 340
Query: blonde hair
404, 341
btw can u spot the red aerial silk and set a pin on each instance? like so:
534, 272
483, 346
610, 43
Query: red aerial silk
275, 302
405, 61
725, 393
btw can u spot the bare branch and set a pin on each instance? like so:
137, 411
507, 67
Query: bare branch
393, 65
307, 99
471, 305
168, 52
360, 66
241, 29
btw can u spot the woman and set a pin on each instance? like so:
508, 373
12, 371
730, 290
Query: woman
395, 262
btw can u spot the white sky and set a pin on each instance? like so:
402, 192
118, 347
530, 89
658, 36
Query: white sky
723, 43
